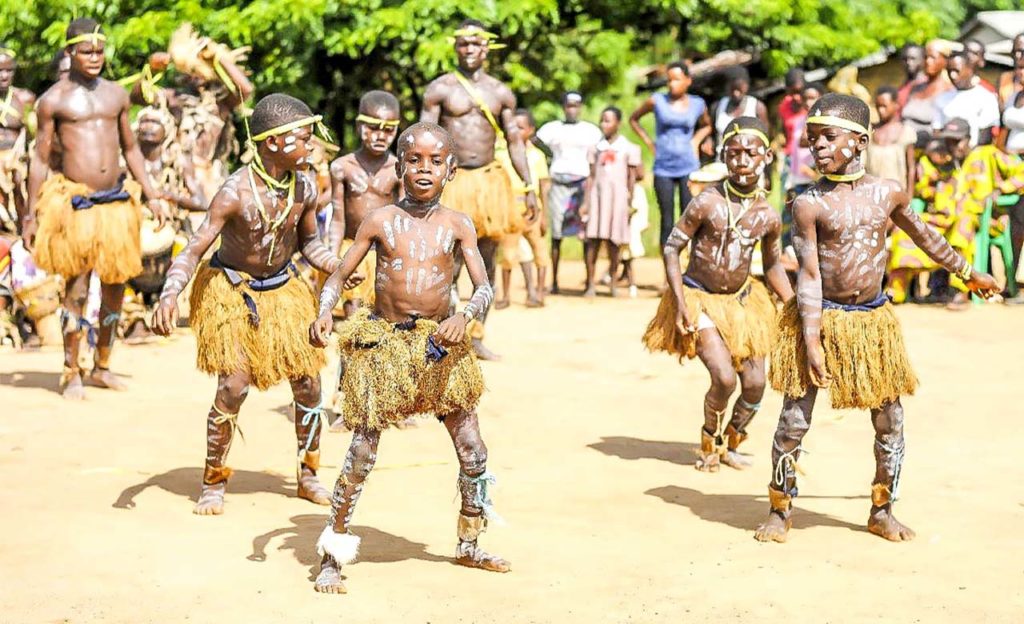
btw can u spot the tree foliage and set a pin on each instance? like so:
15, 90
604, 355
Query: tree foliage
330, 51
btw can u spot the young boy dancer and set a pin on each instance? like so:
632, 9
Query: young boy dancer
409, 356
716, 311
248, 311
840, 332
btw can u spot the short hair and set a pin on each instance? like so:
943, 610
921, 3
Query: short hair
738, 72
960, 54
817, 86
409, 136
911, 46
274, 110
975, 42
844, 106
746, 123
680, 65
472, 23
614, 110
375, 100
794, 77
82, 26
889, 90
525, 112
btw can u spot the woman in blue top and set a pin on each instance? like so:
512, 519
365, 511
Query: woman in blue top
681, 123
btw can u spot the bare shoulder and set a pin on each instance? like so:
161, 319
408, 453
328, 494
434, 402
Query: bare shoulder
499, 87
26, 97
705, 201
439, 86
337, 166
229, 195
770, 214
809, 202
458, 221
116, 92
52, 97
306, 183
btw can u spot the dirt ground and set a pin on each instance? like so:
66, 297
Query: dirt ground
592, 441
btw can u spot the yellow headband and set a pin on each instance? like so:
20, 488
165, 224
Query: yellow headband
472, 31
95, 36
298, 123
751, 131
373, 121
8, 52
838, 122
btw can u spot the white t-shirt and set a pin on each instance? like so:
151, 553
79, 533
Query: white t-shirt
569, 145
977, 106
1013, 119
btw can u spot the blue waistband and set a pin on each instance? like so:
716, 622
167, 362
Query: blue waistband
874, 304
261, 284
109, 196
692, 283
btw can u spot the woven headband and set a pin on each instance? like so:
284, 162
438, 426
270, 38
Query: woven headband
472, 31
8, 52
95, 37
751, 131
374, 121
838, 122
316, 120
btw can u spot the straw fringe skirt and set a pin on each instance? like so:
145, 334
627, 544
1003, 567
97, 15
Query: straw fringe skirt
388, 377
485, 195
228, 343
746, 320
104, 238
864, 354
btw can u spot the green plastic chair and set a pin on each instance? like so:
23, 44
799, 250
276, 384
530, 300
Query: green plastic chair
918, 205
984, 241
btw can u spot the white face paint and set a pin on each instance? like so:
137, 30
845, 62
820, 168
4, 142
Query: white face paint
272, 147
846, 152
288, 140
288, 149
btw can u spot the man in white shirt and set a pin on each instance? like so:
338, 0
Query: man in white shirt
973, 103
569, 142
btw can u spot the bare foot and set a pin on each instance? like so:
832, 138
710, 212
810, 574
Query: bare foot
774, 529
881, 522
329, 579
103, 378
613, 291
211, 500
534, 302
483, 352
960, 303
734, 459
707, 463
589, 293
472, 556
71, 387
311, 489
501, 305
555, 290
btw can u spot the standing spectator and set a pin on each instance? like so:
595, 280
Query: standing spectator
736, 103
913, 64
975, 51
920, 111
801, 173
891, 151
570, 142
681, 123
968, 101
791, 108
1011, 82
613, 166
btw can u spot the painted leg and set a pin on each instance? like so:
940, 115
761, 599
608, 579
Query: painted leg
111, 300
474, 483
889, 447
309, 416
752, 383
336, 545
715, 355
221, 423
794, 421
71, 319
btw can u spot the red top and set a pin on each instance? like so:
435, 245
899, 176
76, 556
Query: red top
790, 114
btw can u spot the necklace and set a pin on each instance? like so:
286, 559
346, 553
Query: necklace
845, 177
274, 224
745, 202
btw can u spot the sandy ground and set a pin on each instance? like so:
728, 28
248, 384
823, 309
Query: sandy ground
592, 440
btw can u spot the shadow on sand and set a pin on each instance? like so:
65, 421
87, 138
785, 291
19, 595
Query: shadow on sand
44, 380
634, 448
186, 482
744, 511
375, 546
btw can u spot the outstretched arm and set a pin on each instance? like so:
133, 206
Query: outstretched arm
771, 255
938, 249
225, 203
680, 236
452, 330
313, 249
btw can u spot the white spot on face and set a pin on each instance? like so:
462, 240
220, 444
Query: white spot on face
271, 147
846, 152
288, 149
288, 140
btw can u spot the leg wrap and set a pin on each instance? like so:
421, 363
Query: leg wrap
889, 464
785, 468
307, 434
476, 497
742, 414
342, 547
780, 501
220, 432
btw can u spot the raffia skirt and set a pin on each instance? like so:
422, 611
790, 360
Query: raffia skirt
104, 238
485, 195
277, 349
864, 354
746, 320
388, 376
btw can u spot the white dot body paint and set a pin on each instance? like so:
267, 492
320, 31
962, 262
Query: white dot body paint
288, 149
272, 147
288, 140
846, 152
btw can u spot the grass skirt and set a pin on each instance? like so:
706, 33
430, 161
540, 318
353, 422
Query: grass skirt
104, 238
227, 342
864, 353
746, 320
388, 378
485, 196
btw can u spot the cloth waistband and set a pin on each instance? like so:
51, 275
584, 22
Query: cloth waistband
874, 304
108, 196
563, 179
435, 352
261, 284
694, 284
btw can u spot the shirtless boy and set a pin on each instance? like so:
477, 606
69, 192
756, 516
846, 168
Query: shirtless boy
362, 182
16, 122
715, 311
248, 310
410, 355
89, 217
840, 331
